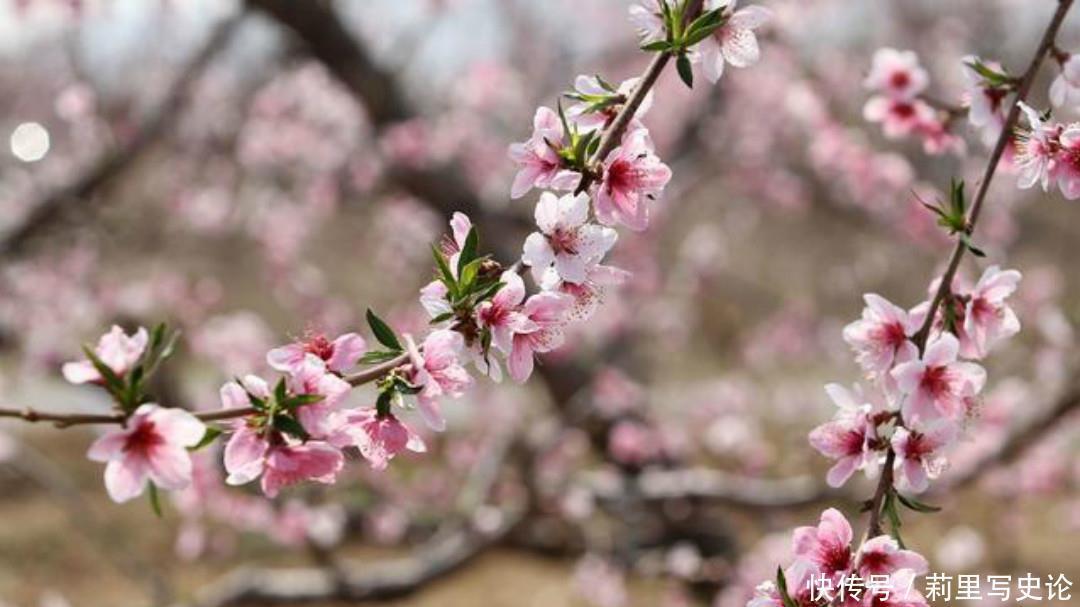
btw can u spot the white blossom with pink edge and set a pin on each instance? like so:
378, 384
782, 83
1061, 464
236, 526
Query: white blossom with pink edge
502, 314
539, 162
548, 311
987, 319
734, 42
880, 337
339, 355
1065, 89
1068, 162
1035, 150
919, 455
882, 555
632, 175
647, 18
850, 438
378, 437
152, 447
116, 349
438, 372
585, 119
938, 385
567, 245
986, 108
312, 377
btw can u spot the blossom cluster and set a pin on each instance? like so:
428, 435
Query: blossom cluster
916, 400
598, 168
898, 83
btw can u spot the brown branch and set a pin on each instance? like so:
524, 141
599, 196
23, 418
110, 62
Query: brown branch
56, 205
356, 581
63, 420
713, 486
921, 337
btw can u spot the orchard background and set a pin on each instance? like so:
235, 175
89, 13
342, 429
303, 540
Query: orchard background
262, 172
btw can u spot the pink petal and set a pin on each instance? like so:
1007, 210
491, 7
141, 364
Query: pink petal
125, 478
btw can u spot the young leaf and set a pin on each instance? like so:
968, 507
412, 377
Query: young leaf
300, 400
291, 427
468, 251
658, 46
916, 505
894, 518
155, 499
211, 434
686, 71
782, 589
280, 392
113, 383
445, 316
976, 251
383, 332
377, 356
445, 275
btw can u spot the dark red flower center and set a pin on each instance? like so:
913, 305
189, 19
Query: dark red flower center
935, 381
320, 346
899, 79
143, 438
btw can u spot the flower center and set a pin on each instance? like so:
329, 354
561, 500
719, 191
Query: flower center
835, 558
621, 176
144, 438
564, 241
899, 80
319, 346
935, 381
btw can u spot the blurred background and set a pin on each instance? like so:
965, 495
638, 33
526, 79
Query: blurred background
252, 170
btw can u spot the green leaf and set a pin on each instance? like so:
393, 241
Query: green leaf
686, 71
468, 250
658, 46
113, 383
378, 356
445, 316
916, 505
383, 332
300, 400
894, 517
703, 27
782, 589
383, 402
280, 391
468, 276
976, 251
155, 499
290, 426
211, 434
445, 275
993, 77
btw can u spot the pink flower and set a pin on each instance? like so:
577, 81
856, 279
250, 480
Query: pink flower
379, 438
823, 551
850, 439
987, 319
880, 337
339, 354
151, 447
538, 158
633, 443
896, 74
882, 556
766, 595
1036, 150
733, 42
249, 454
1067, 163
632, 173
438, 372
502, 314
567, 245
1065, 90
312, 377
646, 17
918, 454
898, 117
287, 465
548, 312
588, 295
985, 108
117, 350
937, 385
599, 105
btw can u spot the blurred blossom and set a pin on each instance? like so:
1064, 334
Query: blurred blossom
30, 142
599, 582
960, 549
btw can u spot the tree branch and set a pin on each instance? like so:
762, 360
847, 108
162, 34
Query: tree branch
57, 204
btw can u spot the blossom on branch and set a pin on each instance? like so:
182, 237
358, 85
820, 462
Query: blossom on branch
117, 350
152, 447
567, 245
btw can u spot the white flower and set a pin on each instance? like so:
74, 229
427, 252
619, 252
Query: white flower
566, 246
